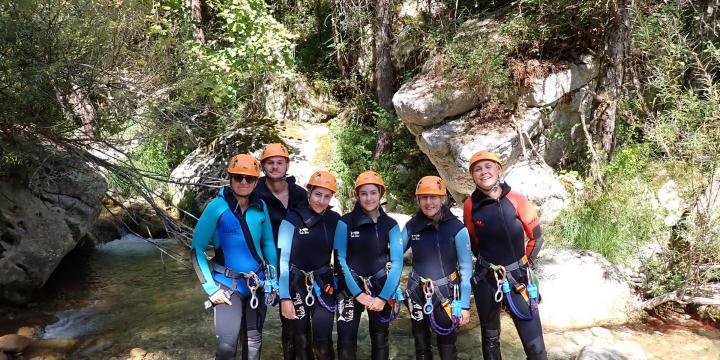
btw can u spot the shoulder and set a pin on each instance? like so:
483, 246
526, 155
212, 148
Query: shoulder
332, 215
523, 207
454, 225
217, 204
293, 217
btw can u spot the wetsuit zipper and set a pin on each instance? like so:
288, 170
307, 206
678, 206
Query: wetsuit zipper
507, 232
437, 242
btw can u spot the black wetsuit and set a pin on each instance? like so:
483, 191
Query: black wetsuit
297, 196
364, 249
497, 231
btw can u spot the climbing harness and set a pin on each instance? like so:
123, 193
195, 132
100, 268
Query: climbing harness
428, 290
431, 289
314, 285
252, 281
394, 301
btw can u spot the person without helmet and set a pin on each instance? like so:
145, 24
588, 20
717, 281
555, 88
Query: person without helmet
238, 224
438, 289
280, 193
306, 275
498, 220
370, 254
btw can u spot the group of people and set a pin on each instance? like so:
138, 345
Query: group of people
278, 243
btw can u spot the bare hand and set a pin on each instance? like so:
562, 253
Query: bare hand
465, 317
287, 308
364, 299
377, 304
219, 297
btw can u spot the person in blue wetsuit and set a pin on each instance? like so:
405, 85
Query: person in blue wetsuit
438, 289
238, 226
498, 220
370, 253
280, 193
307, 291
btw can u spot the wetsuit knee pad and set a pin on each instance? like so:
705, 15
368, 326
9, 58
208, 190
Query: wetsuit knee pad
347, 351
448, 351
491, 344
491, 335
323, 350
535, 349
225, 351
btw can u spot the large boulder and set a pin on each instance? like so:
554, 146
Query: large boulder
548, 90
200, 174
39, 227
582, 289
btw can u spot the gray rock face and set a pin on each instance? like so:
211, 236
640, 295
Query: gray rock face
623, 350
202, 172
38, 228
552, 88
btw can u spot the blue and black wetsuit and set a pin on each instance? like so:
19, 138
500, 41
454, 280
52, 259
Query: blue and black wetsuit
498, 229
441, 253
243, 244
306, 247
297, 197
364, 250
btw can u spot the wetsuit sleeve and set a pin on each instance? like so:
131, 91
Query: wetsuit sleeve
202, 235
340, 244
404, 239
467, 219
268, 242
462, 247
285, 238
530, 222
396, 263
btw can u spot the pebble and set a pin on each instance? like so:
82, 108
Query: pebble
14, 343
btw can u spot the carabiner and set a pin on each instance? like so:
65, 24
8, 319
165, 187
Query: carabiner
254, 302
367, 284
309, 282
499, 280
429, 290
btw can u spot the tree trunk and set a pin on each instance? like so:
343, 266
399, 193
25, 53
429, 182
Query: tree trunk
616, 47
384, 71
198, 20
338, 38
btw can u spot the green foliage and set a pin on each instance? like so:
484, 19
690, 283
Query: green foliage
618, 220
355, 140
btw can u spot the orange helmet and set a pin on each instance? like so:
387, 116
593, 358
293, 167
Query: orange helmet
431, 185
484, 155
322, 179
244, 164
271, 150
369, 177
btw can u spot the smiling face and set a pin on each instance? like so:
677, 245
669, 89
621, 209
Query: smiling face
486, 174
368, 196
319, 199
430, 205
275, 167
242, 185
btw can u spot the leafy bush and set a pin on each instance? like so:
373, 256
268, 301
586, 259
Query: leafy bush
355, 140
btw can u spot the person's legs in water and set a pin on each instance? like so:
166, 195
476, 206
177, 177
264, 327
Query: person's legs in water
379, 333
421, 333
348, 321
322, 325
489, 314
254, 320
228, 319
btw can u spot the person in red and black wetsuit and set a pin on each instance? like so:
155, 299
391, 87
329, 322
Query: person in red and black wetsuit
498, 220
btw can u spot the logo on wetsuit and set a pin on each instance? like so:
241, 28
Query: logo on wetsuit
355, 234
303, 231
415, 237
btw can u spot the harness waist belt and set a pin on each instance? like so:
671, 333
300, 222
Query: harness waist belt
484, 264
229, 273
440, 282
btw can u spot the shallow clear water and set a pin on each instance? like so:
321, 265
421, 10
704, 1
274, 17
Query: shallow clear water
123, 295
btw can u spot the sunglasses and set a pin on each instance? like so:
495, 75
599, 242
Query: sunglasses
239, 178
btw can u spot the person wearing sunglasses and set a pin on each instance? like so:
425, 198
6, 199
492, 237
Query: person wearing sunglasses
238, 225
307, 286
280, 193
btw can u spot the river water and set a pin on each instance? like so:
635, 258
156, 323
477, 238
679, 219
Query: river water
124, 295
